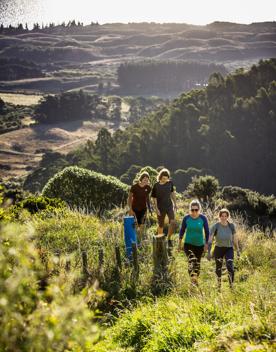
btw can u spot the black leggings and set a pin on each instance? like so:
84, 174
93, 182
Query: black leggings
228, 253
194, 254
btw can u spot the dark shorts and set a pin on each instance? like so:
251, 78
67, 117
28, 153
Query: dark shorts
140, 216
163, 213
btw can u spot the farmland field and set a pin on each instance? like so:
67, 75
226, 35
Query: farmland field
20, 99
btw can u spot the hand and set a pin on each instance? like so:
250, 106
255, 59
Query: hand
158, 212
175, 208
209, 257
238, 254
206, 247
131, 212
179, 248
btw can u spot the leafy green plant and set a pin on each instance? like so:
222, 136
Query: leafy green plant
204, 188
85, 189
34, 320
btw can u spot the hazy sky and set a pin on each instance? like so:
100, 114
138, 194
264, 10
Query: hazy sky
192, 11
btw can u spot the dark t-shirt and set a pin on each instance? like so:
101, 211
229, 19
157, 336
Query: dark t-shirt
140, 196
163, 195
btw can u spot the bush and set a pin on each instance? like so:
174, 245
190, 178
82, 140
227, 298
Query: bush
34, 320
130, 174
182, 178
85, 189
256, 207
35, 204
203, 187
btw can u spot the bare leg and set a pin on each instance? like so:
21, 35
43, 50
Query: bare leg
160, 230
171, 229
140, 233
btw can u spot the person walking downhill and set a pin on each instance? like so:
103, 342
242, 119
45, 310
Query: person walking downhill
138, 201
196, 229
225, 239
164, 202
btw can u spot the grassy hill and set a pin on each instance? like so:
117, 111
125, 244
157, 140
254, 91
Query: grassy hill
96, 51
49, 301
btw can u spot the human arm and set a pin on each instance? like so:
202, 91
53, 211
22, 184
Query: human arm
129, 202
173, 198
154, 200
182, 231
210, 241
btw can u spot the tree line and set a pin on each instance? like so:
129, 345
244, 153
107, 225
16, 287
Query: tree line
21, 28
227, 129
79, 105
15, 68
164, 76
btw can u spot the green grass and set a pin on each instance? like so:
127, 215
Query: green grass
129, 316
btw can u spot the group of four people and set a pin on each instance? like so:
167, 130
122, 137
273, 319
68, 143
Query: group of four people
194, 229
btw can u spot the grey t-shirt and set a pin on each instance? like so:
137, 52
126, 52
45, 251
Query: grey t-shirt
163, 195
223, 234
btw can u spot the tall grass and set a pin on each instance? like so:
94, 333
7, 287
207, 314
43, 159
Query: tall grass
242, 319
132, 318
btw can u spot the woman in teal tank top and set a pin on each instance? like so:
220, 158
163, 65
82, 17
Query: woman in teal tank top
196, 230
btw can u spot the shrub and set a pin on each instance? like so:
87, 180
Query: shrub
182, 177
35, 204
33, 320
255, 207
85, 189
130, 174
203, 187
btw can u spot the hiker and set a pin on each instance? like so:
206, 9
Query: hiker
164, 201
196, 229
138, 201
224, 233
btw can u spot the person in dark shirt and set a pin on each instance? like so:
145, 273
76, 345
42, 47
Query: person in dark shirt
138, 200
164, 200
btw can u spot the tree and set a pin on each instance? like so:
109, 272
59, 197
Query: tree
103, 148
204, 188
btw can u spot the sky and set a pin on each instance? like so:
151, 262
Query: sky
107, 11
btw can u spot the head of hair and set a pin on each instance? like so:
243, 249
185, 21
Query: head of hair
195, 202
163, 172
143, 175
224, 211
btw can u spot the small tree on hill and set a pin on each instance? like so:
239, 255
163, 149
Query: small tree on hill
204, 188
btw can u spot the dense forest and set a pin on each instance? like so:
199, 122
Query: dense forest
226, 129
164, 76
13, 69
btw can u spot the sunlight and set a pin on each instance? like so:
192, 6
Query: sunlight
107, 11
